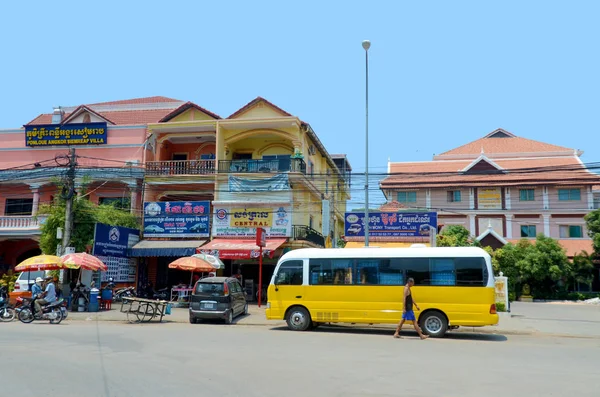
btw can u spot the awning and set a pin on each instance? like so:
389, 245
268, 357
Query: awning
382, 244
146, 248
240, 249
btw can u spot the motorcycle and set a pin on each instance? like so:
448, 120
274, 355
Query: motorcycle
127, 292
52, 312
7, 313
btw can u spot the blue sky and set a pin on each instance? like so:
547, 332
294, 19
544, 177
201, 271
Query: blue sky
441, 73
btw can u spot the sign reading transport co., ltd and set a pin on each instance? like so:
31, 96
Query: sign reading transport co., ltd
391, 224
66, 135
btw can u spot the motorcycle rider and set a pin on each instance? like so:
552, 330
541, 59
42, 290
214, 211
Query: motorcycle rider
48, 296
36, 288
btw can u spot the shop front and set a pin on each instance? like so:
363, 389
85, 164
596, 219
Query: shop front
241, 259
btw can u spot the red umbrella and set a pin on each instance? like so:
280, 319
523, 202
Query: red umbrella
84, 261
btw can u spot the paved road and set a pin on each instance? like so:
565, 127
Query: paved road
114, 359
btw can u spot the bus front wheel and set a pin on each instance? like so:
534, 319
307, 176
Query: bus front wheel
434, 324
298, 319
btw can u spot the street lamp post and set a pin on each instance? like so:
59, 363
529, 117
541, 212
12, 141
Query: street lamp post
366, 44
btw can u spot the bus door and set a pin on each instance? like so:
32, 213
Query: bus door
288, 288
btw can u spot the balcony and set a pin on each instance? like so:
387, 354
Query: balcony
180, 167
307, 233
262, 166
20, 224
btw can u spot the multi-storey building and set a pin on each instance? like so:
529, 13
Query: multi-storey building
110, 143
261, 166
502, 188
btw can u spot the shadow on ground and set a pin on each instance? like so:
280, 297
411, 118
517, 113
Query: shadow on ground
405, 333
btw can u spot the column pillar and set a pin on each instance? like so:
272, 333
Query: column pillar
546, 218
133, 199
509, 230
35, 189
472, 226
428, 198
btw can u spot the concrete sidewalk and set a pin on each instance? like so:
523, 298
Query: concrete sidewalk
570, 320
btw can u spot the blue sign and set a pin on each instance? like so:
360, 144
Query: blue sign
176, 219
114, 240
67, 134
391, 224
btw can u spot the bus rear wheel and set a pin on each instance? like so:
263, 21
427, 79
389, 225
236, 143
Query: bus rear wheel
434, 324
298, 319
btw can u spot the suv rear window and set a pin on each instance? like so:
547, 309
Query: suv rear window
32, 275
210, 289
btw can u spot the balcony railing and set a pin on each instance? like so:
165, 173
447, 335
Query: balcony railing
307, 233
21, 222
180, 167
262, 166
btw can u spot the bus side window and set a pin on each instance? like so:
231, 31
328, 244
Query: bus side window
418, 269
290, 273
471, 272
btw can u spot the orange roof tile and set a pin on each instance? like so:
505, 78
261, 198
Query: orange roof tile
254, 102
186, 106
557, 170
509, 143
392, 206
571, 246
138, 101
126, 117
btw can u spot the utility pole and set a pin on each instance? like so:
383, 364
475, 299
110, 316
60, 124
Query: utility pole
68, 194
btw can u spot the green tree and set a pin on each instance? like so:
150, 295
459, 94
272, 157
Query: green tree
583, 269
456, 236
542, 265
593, 225
85, 216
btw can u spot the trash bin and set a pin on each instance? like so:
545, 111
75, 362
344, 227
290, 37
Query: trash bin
107, 294
93, 306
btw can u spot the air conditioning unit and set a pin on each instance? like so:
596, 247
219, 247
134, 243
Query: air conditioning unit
311, 150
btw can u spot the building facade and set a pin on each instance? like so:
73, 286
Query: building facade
110, 142
259, 167
502, 188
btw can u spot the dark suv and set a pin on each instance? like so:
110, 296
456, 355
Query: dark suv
220, 298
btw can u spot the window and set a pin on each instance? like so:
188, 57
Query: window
570, 231
526, 194
418, 269
442, 272
331, 271
367, 271
454, 196
471, 272
208, 156
122, 203
20, 206
407, 197
311, 169
290, 273
326, 187
569, 194
179, 157
528, 231
311, 221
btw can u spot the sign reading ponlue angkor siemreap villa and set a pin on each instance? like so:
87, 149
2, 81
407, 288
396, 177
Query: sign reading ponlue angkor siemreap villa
67, 134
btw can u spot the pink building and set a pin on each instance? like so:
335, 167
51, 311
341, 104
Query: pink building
111, 144
503, 188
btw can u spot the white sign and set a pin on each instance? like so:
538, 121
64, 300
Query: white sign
275, 219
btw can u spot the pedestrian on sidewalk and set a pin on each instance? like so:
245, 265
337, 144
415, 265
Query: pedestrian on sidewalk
407, 310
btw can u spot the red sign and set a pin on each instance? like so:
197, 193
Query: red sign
261, 237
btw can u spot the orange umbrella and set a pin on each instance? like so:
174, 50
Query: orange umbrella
42, 262
192, 264
84, 261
